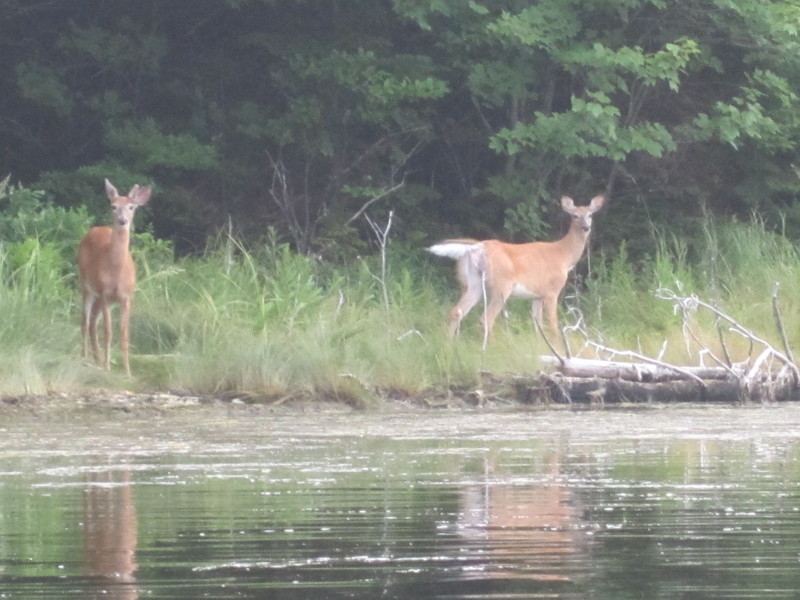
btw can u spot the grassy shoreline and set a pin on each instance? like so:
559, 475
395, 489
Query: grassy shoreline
267, 323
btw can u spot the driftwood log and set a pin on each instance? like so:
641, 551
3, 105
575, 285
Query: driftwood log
590, 381
766, 374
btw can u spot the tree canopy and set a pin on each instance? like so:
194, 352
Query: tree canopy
467, 117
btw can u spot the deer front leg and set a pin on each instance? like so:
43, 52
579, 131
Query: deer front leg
536, 312
108, 334
86, 319
94, 317
550, 306
124, 328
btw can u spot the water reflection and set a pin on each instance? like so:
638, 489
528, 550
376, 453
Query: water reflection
528, 530
110, 534
610, 505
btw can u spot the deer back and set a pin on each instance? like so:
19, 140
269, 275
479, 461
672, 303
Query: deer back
540, 269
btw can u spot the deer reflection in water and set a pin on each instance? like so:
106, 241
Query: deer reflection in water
524, 530
110, 534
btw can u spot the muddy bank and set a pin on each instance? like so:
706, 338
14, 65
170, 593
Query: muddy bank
541, 390
121, 403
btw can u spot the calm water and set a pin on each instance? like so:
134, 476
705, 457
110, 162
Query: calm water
662, 503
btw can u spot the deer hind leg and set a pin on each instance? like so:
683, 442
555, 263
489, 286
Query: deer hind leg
493, 309
91, 316
470, 297
472, 281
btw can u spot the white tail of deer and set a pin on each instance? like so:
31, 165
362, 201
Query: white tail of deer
108, 274
494, 270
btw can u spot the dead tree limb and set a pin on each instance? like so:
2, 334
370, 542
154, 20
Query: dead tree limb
382, 235
776, 311
692, 303
625, 375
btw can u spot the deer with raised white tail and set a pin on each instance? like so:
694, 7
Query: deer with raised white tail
494, 270
108, 273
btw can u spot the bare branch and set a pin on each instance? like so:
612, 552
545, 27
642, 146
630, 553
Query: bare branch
382, 235
371, 201
371, 151
298, 217
692, 303
776, 311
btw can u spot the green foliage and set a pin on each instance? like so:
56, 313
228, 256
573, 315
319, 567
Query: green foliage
547, 25
36, 268
26, 217
594, 125
611, 70
748, 115
143, 145
129, 47
43, 86
296, 126
592, 128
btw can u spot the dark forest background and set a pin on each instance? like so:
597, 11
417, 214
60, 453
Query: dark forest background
295, 118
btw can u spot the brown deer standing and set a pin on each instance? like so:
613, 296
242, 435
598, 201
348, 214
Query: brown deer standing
537, 270
108, 274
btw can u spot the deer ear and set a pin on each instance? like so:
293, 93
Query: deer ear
111, 191
567, 203
597, 203
141, 195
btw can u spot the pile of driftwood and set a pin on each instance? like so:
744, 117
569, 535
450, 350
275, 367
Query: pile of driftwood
766, 374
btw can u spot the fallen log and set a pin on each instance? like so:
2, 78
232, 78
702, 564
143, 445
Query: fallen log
594, 391
592, 381
765, 376
645, 372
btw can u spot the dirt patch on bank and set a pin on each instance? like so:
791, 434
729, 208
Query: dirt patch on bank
492, 392
111, 403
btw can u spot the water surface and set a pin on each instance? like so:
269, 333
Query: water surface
676, 502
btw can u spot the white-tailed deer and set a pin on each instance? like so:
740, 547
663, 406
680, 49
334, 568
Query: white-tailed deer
108, 274
538, 270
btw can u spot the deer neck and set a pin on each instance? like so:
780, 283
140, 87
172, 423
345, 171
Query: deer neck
120, 240
573, 244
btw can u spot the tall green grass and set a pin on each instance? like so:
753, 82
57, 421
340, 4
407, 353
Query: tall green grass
266, 322
733, 266
271, 322
38, 345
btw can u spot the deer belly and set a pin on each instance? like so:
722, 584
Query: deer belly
520, 291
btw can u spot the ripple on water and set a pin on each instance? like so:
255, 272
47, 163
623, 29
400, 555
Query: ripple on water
668, 502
